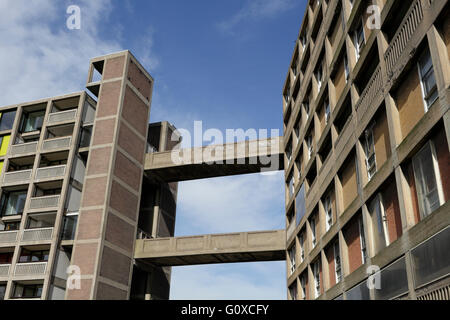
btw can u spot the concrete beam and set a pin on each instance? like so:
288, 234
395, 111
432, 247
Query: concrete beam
216, 248
217, 161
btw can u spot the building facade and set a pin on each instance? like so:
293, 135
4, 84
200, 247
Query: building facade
367, 135
71, 184
88, 187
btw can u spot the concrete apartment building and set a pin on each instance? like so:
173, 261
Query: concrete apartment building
367, 166
89, 187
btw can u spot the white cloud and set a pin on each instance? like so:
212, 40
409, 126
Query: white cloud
40, 57
241, 281
231, 204
256, 10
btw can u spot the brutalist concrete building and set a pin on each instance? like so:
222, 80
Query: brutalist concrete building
89, 187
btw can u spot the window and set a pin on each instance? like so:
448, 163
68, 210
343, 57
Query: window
6, 258
303, 286
327, 112
306, 106
13, 203
428, 180
289, 153
33, 256
27, 291
300, 204
7, 120
309, 143
9, 226
337, 262
291, 186
303, 41
380, 222
316, 271
359, 39
362, 241
33, 121
427, 80
313, 232
292, 259
328, 212
319, 75
302, 248
369, 149
2, 291
346, 68
293, 291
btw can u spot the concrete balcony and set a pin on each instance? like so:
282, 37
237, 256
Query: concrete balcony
43, 234
23, 148
63, 116
51, 172
17, 177
370, 91
44, 202
55, 144
7, 237
405, 32
30, 269
4, 270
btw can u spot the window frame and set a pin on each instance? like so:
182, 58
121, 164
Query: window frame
437, 177
337, 261
370, 154
362, 241
359, 47
316, 276
328, 208
434, 90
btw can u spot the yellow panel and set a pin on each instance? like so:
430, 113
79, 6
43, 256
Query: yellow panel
1, 167
4, 146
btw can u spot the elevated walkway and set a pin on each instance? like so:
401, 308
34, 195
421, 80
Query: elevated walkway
217, 160
215, 248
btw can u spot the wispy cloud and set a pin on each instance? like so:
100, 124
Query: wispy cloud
40, 57
256, 10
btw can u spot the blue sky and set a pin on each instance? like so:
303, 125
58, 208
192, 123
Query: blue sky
221, 62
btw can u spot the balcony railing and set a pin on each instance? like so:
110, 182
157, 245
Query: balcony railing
57, 143
17, 176
56, 117
404, 34
23, 148
50, 172
372, 88
44, 202
4, 270
30, 269
43, 234
8, 237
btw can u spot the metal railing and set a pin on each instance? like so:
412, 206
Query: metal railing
42, 234
23, 148
56, 117
8, 236
403, 35
30, 269
44, 202
57, 143
17, 176
51, 172
4, 270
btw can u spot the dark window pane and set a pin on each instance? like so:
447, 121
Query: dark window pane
7, 120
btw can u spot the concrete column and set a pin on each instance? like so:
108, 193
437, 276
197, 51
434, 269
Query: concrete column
404, 200
440, 59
